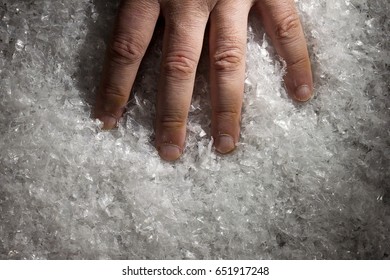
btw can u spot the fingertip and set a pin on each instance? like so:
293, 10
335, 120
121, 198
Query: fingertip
169, 152
303, 93
109, 122
224, 144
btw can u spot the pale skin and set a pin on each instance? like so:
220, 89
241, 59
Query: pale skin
185, 24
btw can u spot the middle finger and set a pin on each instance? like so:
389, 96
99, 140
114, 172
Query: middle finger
182, 45
228, 33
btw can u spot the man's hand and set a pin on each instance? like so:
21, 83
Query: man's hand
185, 23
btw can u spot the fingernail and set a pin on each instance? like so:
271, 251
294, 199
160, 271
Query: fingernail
303, 93
169, 152
225, 144
109, 122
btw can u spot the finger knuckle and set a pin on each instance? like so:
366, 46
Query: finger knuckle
298, 62
126, 49
229, 59
173, 120
287, 27
180, 66
187, 8
230, 116
113, 97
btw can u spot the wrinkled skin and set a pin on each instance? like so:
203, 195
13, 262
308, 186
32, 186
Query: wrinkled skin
185, 23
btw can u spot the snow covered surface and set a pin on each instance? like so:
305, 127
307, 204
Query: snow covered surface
307, 181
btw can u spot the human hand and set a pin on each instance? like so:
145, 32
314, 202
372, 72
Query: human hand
185, 23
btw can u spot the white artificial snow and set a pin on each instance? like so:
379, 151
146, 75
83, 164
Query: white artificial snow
307, 180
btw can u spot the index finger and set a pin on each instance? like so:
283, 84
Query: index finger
133, 31
282, 24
